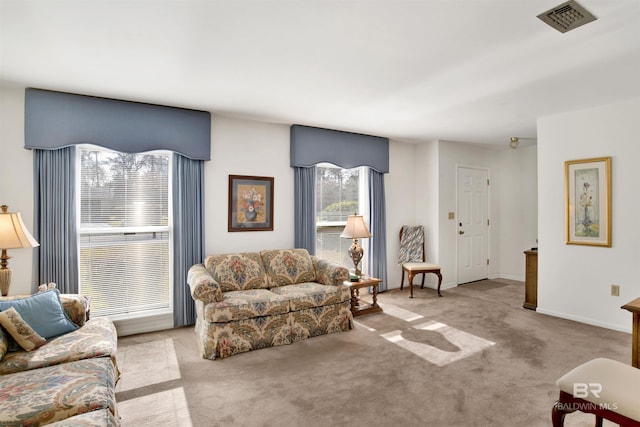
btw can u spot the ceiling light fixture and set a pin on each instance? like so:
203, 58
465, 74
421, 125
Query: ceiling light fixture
514, 141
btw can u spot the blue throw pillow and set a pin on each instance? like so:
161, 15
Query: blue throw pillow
43, 312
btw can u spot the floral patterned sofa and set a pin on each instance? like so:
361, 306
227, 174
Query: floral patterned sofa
68, 381
247, 301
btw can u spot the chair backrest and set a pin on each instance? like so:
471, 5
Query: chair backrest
411, 244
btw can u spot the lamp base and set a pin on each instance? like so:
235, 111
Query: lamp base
5, 280
356, 252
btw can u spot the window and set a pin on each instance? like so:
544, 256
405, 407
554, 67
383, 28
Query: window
339, 193
125, 231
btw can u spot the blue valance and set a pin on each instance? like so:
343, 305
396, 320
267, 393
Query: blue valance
55, 119
310, 146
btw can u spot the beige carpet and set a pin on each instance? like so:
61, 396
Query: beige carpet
472, 358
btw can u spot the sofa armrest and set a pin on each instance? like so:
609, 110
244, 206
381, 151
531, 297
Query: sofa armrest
76, 307
202, 284
329, 272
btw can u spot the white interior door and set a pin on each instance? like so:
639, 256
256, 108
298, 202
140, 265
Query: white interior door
473, 224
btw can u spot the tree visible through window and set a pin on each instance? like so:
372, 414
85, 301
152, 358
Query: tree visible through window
124, 231
339, 193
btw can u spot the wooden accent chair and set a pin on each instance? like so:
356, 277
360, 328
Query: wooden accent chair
606, 388
412, 257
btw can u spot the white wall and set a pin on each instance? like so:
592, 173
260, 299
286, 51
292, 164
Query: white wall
516, 211
427, 177
574, 281
16, 182
241, 147
401, 184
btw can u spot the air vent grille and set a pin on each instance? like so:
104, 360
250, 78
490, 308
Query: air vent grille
567, 16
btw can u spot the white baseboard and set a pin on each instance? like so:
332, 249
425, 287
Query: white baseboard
141, 325
585, 320
509, 277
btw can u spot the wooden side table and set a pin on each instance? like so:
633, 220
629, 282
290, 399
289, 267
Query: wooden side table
359, 307
634, 307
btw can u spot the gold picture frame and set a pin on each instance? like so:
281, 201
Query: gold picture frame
588, 201
250, 203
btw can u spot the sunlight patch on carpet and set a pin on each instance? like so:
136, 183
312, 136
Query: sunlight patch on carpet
146, 364
166, 408
400, 313
467, 343
364, 326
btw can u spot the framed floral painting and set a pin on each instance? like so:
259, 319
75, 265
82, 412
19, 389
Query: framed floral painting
588, 201
250, 203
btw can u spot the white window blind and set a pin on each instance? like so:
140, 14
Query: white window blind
339, 193
125, 232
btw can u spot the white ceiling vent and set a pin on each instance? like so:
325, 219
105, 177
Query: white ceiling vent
567, 16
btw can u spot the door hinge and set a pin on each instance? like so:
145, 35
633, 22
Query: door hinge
487, 261
488, 223
487, 182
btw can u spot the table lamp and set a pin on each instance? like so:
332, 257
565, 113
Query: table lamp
13, 235
355, 229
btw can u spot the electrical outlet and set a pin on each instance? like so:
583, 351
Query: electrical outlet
615, 290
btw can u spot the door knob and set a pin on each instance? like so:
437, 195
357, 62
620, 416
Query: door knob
461, 232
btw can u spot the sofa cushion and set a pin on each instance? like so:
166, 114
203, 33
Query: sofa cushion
43, 312
97, 338
311, 294
76, 307
239, 305
288, 267
46, 395
237, 272
20, 330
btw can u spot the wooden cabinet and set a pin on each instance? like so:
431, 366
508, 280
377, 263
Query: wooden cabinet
531, 280
634, 307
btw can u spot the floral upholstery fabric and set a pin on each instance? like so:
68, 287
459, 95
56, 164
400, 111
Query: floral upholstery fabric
99, 418
287, 267
76, 307
220, 340
306, 298
97, 338
42, 396
310, 294
240, 305
329, 272
4, 343
237, 272
203, 287
20, 330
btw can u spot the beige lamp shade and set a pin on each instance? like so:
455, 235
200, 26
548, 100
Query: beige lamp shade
355, 228
13, 235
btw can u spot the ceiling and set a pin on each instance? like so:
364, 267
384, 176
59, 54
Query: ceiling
477, 71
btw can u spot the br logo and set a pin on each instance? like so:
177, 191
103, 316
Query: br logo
582, 390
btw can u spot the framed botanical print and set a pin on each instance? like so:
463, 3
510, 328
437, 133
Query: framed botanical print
588, 201
250, 203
